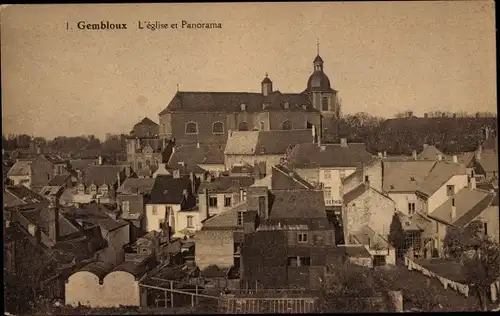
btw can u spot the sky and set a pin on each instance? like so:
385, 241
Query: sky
382, 57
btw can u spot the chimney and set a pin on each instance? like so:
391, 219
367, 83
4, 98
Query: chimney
192, 178
385, 154
313, 131
197, 145
177, 174
54, 221
439, 157
343, 142
119, 179
453, 209
455, 159
472, 183
414, 154
100, 160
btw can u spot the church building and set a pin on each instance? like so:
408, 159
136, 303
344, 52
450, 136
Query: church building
206, 117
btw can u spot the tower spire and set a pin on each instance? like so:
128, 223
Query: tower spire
317, 45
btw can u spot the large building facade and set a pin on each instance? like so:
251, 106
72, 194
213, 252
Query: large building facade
207, 117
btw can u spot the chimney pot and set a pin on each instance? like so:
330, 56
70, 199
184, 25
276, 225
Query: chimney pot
385, 154
439, 157
455, 159
197, 145
414, 154
343, 142
100, 160
472, 183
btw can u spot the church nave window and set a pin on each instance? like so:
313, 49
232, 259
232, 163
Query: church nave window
218, 128
191, 128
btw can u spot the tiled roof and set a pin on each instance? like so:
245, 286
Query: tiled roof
275, 142
94, 214
225, 220
54, 159
102, 174
415, 222
146, 121
489, 162
356, 251
355, 193
366, 236
491, 144
20, 168
441, 172
19, 194
192, 156
169, 190
466, 157
430, 152
404, 176
42, 218
468, 205
296, 204
136, 186
50, 190
226, 184
283, 178
231, 102
59, 179
328, 156
82, 164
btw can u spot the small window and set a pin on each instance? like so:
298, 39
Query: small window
305, 261
302, 237
155, 210
212, 201
411, 208
191, 128
324, 104
189, 221
293, 261
160, 223
262, 126
48, 176
241, 217
328, 174
243, 126
367, 178
169, 210
450, 190
227, 201
218, 128
93, 188
286, 105
287, 125
327, 192
243, 106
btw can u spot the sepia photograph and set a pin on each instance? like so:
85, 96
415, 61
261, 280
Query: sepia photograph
253, 157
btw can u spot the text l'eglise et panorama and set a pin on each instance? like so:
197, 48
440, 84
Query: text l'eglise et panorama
141, 25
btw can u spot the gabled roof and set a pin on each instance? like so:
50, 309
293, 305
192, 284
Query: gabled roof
169, 190
231, 102
136, 186
415, 222
59, 179
283, 178
194, 155
225, 220
355, 193
367, 236
20, 168
227, 184
328, 156
430, 152
404, 176
102, 174
441, 172
296, 204
488, 161
42, 217
94, 214
244, 168
146, 121
274, 142
20, 195
468, 205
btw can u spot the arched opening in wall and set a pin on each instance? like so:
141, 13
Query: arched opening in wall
287, 125
324, 104
191, 128
243, 126
262, 126
218, 128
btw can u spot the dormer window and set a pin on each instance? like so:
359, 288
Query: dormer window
243, 107
103, 189
304, 106
265, 105
286, 105
81, 189
93, 189
243, 126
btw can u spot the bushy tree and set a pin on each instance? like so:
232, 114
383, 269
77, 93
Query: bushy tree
396, 234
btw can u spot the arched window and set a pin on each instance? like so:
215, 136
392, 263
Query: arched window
287, 125
218, 128
262, 126
191, 128
243, 126
324, 104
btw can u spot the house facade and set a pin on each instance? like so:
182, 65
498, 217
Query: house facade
99, 184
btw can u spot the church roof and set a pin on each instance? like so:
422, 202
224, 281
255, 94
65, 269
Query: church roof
232, 101
318, 81
146, 121
318, 59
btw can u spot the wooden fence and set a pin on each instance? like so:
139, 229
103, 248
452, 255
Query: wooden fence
250, 305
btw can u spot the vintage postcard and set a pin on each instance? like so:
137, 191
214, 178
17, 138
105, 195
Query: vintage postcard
299, 157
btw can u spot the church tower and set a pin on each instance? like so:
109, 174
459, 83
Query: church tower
323, 97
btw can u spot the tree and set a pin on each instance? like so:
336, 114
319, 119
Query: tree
479, 255
396, 234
